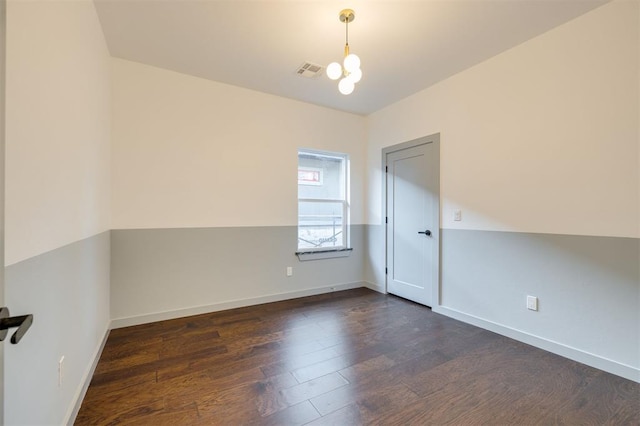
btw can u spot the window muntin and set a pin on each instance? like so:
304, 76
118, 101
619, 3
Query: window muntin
322, 201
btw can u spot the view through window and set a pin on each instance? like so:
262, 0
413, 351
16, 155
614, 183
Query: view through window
322, 200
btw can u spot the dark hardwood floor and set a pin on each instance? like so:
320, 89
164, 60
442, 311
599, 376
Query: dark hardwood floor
345, 358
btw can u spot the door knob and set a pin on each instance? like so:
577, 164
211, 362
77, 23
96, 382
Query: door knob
23, 322
427, 233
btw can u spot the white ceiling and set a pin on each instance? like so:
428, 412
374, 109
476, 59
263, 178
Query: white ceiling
404, 46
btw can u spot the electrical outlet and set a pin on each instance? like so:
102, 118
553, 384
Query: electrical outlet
60, 371
457, 215
289, 271
532, 303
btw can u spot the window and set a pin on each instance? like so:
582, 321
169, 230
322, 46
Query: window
323, 207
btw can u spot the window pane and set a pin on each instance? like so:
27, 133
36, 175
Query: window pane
320, 225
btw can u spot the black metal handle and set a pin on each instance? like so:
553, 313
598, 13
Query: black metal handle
23, 322
427, 233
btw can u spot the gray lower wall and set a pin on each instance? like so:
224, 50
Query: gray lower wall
67, 291
165, 273
588, 289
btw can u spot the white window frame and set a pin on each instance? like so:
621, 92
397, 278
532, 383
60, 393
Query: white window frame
344, 157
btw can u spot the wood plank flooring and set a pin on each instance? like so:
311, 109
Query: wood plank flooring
345, 358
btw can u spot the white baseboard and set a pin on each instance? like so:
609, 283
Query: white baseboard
610, 366
70, 418
375, 287
205, 309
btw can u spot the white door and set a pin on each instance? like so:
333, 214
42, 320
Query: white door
413, 219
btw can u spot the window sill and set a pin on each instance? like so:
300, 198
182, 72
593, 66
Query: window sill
304, 256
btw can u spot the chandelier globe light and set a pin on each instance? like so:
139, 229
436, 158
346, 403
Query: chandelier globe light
349, 72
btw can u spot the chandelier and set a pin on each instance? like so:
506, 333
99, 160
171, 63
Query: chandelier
349, 72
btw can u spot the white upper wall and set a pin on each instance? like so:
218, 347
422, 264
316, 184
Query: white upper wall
57, 126
541, 138
189, 152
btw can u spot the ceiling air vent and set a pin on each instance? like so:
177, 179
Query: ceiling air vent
309, 70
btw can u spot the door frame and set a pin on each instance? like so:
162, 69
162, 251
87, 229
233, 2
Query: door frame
435, 140
3, 66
